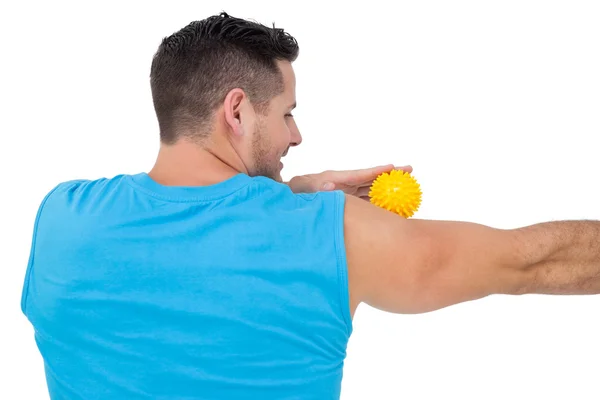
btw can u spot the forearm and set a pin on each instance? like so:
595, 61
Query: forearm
561, 257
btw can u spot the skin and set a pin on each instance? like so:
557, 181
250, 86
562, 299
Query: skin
242, 141
394, 264
418, 266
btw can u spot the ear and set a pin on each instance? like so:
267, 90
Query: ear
236, 111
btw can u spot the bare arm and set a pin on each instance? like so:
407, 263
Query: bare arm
415, 266
561, 257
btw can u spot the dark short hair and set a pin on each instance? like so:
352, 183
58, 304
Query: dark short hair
194, 69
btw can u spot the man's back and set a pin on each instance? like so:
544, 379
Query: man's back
235, 290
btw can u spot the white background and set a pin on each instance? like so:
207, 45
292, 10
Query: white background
496, 104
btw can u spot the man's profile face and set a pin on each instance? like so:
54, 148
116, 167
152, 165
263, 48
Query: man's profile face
276, 132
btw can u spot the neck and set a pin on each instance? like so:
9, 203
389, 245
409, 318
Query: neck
189, 164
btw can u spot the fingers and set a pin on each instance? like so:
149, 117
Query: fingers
369, 174
406, 168
361, 176
378, 170
356, 182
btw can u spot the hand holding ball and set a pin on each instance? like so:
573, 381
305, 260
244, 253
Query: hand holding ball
396, 191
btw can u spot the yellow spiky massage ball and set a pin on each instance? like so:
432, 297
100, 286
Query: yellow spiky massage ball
396, 191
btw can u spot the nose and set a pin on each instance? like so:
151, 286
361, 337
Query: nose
296, 142
296, 137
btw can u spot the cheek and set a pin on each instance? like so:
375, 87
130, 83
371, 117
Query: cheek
280, 135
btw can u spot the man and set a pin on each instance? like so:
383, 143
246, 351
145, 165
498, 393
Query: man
209, 278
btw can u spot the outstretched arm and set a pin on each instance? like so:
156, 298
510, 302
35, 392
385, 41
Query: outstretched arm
415, 266
561, 257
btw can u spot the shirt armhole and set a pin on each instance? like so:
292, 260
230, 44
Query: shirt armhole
25, 291
342, 264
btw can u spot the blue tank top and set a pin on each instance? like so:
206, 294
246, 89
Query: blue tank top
237, 290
